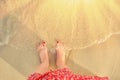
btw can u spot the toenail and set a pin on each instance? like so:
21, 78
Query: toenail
44, 42
57, 41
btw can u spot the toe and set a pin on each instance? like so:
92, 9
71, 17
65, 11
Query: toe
44, 43
41, 45
59, 43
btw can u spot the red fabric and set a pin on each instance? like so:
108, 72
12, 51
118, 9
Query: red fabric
63, 74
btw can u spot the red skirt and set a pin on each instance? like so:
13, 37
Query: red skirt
63, 74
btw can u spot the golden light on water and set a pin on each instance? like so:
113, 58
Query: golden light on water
74, 18
89, 1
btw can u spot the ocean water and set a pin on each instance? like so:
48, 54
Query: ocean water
70, 23
7, 29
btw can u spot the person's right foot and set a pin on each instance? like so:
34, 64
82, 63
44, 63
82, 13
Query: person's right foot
60, 55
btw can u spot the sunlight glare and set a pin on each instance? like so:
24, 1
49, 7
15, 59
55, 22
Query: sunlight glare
89, 1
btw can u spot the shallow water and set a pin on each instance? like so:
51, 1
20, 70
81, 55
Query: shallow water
91, 34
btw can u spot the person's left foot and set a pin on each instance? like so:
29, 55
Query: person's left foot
42, 49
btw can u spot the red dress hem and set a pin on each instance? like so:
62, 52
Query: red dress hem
63, 74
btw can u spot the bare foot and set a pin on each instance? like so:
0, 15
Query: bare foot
43, 53
60, 55
43, 67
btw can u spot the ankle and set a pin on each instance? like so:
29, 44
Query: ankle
45, 64
61, 66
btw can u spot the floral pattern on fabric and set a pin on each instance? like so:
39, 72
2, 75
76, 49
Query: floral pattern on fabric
63, 74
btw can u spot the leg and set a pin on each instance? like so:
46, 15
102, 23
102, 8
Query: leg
43, 67
60, 55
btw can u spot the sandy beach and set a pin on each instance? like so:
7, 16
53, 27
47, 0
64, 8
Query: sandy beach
90, 32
